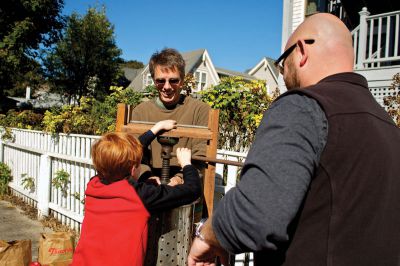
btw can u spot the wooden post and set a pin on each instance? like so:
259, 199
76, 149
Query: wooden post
121, 116
209, 176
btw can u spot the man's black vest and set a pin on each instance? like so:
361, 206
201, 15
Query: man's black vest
351, 213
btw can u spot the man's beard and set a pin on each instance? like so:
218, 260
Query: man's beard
291, 80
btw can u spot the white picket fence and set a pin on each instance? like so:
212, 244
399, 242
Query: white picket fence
39, 156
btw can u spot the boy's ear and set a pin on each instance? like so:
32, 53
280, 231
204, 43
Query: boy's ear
135, 171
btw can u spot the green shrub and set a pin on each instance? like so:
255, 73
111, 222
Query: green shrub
241, 104
5, 178
105, 113
90, 117
53, 120
26, 119
7, 134
151, 91
70, 119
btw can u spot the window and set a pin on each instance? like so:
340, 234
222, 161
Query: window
315, 6
201, 80
147, 80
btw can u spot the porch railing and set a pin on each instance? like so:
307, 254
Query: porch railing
376, 40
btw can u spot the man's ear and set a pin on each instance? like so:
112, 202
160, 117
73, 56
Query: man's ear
303, 52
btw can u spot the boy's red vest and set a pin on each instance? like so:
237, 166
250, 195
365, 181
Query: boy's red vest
114, 230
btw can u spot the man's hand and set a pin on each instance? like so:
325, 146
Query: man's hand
201, 254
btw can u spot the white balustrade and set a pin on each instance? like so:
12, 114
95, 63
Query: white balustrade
376, 40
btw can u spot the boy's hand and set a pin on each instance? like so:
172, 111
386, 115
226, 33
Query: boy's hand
175, 180
163, 125
184, 156
168, 124
155, 180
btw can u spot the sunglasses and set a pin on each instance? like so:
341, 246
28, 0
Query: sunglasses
281, 66
174, 82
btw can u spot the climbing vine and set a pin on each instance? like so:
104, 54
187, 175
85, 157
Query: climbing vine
27, 182
61, 181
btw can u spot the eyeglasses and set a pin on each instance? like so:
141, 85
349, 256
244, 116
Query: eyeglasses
283, 57
174, 82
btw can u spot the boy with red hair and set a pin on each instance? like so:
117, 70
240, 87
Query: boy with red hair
117, 206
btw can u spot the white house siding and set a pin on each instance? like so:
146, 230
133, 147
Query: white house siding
213, 78
271, 83
286, 22
293, 16
138, 83
298, 13
203, 67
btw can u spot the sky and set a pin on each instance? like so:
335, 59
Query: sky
236, 33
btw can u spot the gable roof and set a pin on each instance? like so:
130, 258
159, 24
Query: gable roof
269, 62
137, 82
131, 73
44, 100
226, 72
192, 59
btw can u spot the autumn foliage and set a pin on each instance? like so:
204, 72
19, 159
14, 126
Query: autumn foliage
392, 102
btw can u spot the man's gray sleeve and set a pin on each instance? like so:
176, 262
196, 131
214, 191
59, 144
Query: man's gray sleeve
278, 169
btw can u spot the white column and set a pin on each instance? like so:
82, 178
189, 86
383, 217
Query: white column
362, 38
43, 187
28, 93
287, 22
287, 30
1, 151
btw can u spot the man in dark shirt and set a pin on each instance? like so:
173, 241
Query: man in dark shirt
307, 197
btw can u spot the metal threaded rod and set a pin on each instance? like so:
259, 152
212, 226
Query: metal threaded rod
165, 172
167, 145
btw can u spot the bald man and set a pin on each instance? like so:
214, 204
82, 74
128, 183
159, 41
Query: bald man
321, 184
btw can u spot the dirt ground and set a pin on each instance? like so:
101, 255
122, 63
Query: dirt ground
19, 221
15, 225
